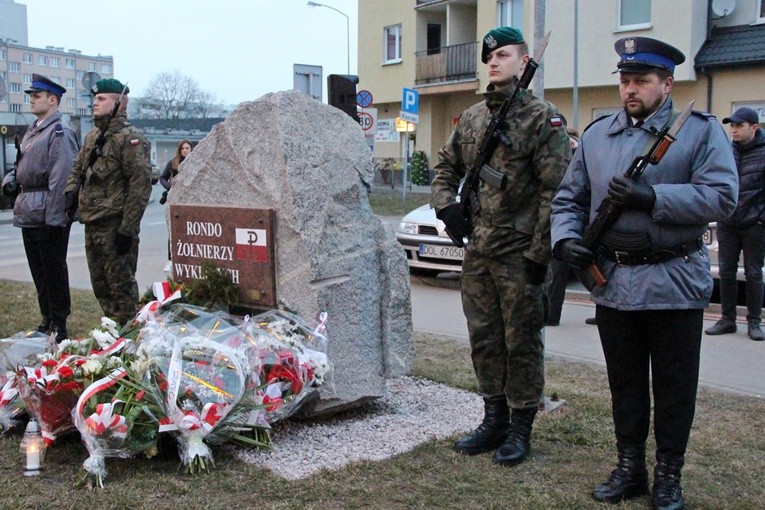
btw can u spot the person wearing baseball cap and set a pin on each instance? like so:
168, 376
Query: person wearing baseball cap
47, 151
650, 311
744, 230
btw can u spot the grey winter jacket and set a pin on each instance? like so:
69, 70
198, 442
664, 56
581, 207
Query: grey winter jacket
48, 151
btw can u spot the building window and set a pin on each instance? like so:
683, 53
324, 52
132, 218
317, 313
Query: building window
70, 83
27, 78
392, 44
3, 55
106, 69
91, 66
634, 14
14, 67
27, 99
14, 87
27, 58
510, 13
15, 108
80, 74
55, 62
82, 111
42, 60
761, 12
70, 63
71, 102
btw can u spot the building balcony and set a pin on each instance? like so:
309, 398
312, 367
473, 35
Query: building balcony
446, 64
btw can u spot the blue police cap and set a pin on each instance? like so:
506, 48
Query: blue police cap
643, 54
42, 84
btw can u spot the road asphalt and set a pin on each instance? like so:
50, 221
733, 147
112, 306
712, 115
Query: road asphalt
729, 362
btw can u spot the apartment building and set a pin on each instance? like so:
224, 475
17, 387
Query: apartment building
65, 67
433, 46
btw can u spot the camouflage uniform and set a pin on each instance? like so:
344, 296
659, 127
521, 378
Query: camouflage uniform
113, 198
505, 313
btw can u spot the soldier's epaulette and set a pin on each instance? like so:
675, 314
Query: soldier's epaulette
704, 115
597, 120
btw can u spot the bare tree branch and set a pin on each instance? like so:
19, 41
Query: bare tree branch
172, 96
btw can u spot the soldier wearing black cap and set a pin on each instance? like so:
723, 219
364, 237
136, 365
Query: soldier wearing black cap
650, 312
109, 188
744, 231
48, 150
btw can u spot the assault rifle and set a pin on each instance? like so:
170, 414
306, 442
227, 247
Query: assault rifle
609, 212
468, 195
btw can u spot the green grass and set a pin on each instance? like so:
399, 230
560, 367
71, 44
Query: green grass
572, 450
392, 202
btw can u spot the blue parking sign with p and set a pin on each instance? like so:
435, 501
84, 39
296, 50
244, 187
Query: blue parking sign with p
410, 103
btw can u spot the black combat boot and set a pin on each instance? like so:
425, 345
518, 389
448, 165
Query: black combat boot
60, 329
516, 447
491, 432
628, 480
667, 493
44, 326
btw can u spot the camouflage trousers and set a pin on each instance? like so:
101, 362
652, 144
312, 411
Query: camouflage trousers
505, 316
111, 275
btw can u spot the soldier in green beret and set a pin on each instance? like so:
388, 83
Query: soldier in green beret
109, 188
503, 283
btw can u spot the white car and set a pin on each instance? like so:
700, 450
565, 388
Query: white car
427, 246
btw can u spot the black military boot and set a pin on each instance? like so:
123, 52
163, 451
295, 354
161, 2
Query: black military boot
491, 432
516, 447
628, 480
60, 329
667, 493
44, 326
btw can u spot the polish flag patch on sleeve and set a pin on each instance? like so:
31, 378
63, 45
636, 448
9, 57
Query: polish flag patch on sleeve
556, 121
135, 141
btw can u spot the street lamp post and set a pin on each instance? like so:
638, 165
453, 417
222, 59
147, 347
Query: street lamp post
347, 29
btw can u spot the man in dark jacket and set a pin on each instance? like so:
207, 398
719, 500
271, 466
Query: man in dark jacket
745, 229
48, 150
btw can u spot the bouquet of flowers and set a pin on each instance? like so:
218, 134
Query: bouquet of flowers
20, 349
196, 383
113, 419
287, 359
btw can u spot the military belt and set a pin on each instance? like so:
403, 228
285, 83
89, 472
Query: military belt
638, 258
25, 189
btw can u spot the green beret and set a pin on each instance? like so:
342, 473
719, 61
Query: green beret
497, 37
109, 86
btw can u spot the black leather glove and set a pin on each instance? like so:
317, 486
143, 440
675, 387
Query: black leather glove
574, 254
122, 243
70, 206
457, 226
535, 272
628, 193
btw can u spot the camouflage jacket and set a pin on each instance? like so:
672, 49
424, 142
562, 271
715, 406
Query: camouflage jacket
518, 217
119, 184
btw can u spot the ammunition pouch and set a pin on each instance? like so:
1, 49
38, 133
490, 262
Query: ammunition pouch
492, 177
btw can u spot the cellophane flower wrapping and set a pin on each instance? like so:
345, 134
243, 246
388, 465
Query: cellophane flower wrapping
287, 360
196, 382
111, 413
20, 349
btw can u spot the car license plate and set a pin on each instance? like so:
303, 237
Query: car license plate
442, 252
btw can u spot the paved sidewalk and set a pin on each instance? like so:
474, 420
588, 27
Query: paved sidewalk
728, 362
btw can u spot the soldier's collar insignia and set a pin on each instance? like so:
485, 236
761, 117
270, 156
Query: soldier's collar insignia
490, 41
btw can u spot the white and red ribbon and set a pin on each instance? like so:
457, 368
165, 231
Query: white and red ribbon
10, 391
105, 419
161, 291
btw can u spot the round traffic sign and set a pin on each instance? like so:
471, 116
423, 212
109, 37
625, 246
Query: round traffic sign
366, 120
364, 98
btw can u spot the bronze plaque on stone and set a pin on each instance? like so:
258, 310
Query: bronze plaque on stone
238, 239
